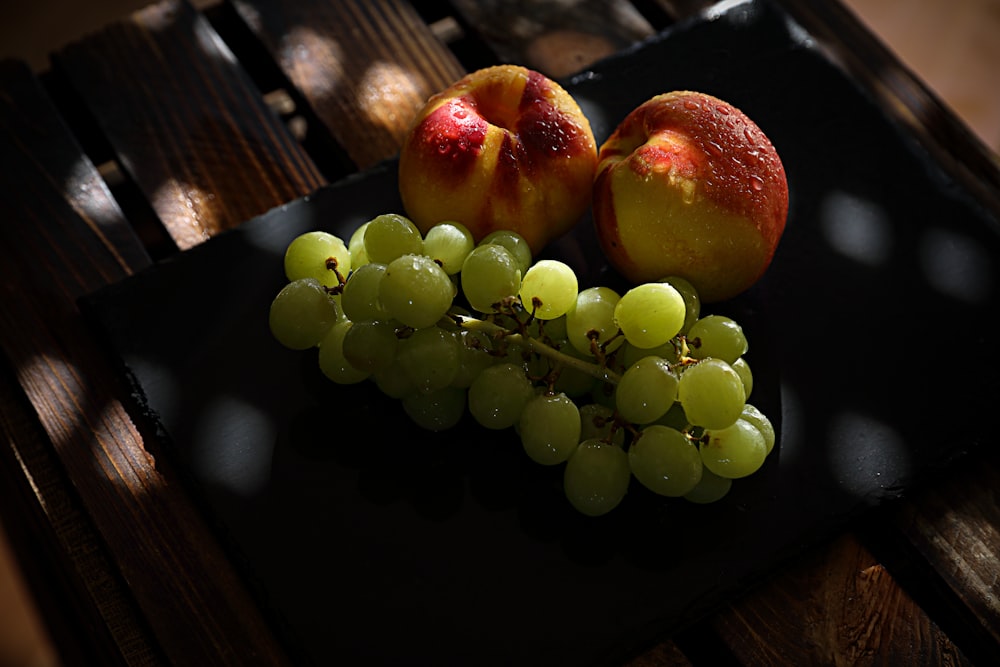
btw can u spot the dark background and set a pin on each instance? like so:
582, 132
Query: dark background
960, 68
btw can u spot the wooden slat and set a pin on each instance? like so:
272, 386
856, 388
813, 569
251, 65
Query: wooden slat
186, 122
838, 605
906, 99
62, 237
663, 655
955, 526
76, 585
46, 176
555, 38
364, 67
682, 9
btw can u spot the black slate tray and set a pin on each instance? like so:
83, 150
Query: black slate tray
373, 543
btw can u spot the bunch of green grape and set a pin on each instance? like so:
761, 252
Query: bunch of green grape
611, 386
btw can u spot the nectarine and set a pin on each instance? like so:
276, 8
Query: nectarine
689, 186
504, 148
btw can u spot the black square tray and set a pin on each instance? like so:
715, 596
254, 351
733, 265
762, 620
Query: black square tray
373, 543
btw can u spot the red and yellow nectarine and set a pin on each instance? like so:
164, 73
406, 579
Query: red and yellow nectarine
504, 148
687, 185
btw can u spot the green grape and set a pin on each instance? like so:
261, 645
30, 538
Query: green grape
742, 369
536, 366
572, 381
550, 428
759, 420
436, 410
391, 235
665, 461
504, 321
646, 391
692, 302
356, 246
370, 345
416, 291
630, 353
596, 477
516, 353
603, 393
338, 299
393, 382
474, 356
489, 275
301, 314
429, 358
515, 243
710, 488
307, 256
332, 361
360, 299
674, 418
718, 337
735, 451
554, 329
498, 395
548, 289
650, 314
594, 310
449, 243
597, 422
712, 394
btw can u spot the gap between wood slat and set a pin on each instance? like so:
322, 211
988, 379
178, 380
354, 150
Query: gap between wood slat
835, 601
50, 255
928, 587
363, 68
200, 142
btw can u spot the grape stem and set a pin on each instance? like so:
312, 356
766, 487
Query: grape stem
595, 370
331, 265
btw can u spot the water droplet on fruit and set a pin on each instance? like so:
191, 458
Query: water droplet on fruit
722, 109
690, 104
757, 183
715, 149
460, 113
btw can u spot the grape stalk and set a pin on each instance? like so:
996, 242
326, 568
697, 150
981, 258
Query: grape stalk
610, 386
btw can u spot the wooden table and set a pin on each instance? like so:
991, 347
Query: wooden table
171, 126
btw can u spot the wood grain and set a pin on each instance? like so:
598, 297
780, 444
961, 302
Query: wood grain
63, 238
60, 546
955, 526
557, 39
662, 655
365, 68
186, 122
188, 126
838, 605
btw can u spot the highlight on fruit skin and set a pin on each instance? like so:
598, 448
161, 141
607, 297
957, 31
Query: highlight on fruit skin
503, 148
688, 185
